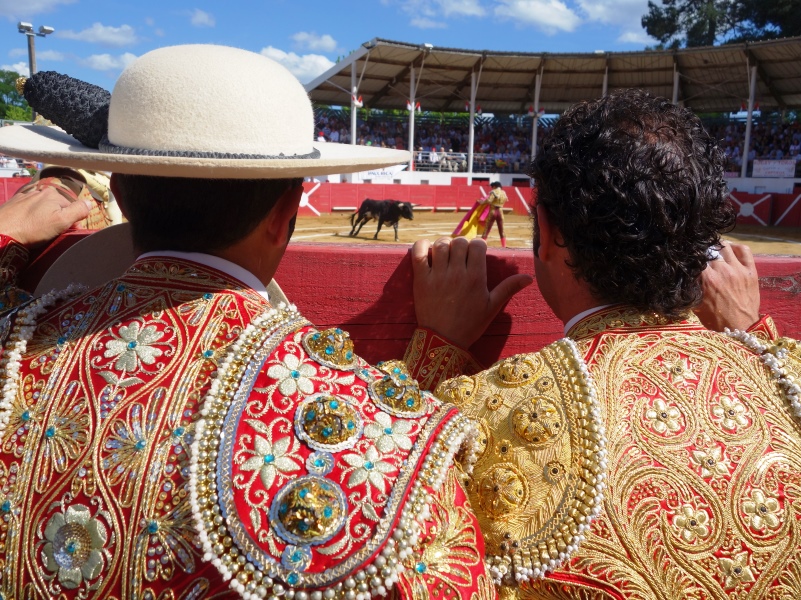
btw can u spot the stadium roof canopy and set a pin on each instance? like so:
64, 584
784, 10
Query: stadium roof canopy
711, 79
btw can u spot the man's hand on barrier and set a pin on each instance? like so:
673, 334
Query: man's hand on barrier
37, 215
450, 288
731, 290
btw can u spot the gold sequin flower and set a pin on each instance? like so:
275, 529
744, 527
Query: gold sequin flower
133, 345
731, 412
369, 468
679, 370
663, 418
736, 570
711, 461
293, 375
389, 435
74, 547
761, 511
272, 459
691, 523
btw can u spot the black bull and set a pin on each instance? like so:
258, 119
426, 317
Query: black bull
384, 211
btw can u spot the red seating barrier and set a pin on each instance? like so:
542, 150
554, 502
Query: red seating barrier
787, 210
368, 291
752, 209
10, 185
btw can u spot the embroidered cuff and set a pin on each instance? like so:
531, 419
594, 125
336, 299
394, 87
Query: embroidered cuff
13, 258
432, 359
765, 329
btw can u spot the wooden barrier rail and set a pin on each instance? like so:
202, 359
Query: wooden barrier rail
367, 290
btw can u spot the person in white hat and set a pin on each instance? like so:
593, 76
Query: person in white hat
175, 431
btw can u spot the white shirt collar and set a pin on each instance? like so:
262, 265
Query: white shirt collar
583, 314
242, 275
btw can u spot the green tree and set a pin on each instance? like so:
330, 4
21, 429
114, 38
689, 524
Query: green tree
18, 113
677, 23
10, 98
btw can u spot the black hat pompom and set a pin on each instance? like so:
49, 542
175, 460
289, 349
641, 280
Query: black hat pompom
79, 108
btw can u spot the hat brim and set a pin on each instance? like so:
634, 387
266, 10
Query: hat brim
53, 145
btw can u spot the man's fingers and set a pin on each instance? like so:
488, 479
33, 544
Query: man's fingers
743, 254
459, 249
74, 212
440, 254
420, 264
507, 288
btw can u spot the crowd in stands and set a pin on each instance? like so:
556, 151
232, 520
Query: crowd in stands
769, 141
503, 145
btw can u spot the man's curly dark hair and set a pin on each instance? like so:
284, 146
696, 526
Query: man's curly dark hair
635, 186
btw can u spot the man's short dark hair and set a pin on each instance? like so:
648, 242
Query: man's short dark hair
635, 186
195, 215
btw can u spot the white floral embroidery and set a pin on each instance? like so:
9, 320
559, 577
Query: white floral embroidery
272, 459
293, 375
731, 412
389, 435
369, 468
134, 345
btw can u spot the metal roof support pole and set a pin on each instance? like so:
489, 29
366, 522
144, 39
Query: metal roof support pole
606, 80
472, 136
749, 118
353, 108
412, 92
535, 120
675, 98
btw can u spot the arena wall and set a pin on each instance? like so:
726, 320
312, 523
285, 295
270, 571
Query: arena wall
368, 291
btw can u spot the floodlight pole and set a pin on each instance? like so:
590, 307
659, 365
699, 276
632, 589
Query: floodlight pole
535, 120
412, 93
27, 30
353, 90
747, 141
472, 135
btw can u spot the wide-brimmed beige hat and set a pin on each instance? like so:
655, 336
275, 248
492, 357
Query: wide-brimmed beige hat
199, 111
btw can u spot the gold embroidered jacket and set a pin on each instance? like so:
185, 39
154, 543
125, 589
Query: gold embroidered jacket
170, 435
686, 464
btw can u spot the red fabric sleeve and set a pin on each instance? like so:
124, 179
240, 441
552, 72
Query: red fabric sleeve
432, 359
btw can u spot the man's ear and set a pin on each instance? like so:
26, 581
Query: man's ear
546, 237
284, 211
115, 191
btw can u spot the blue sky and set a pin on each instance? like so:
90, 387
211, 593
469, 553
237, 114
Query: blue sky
95, 39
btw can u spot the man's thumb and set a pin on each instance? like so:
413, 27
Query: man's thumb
76, 211
507, 288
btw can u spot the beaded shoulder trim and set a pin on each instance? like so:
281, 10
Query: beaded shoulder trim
311, 471
539, 477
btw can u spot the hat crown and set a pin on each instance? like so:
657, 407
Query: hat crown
210, 99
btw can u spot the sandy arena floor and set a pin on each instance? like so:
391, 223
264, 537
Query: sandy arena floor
336, 227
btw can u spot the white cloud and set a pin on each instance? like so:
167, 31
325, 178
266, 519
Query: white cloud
309, 40
305, 67
14, 52
426, 23
466, 8
108, 62
200, 18
20, 67
626, 13
636, 37
107, 35
150, 21
49, 55
14, 9
550, 16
